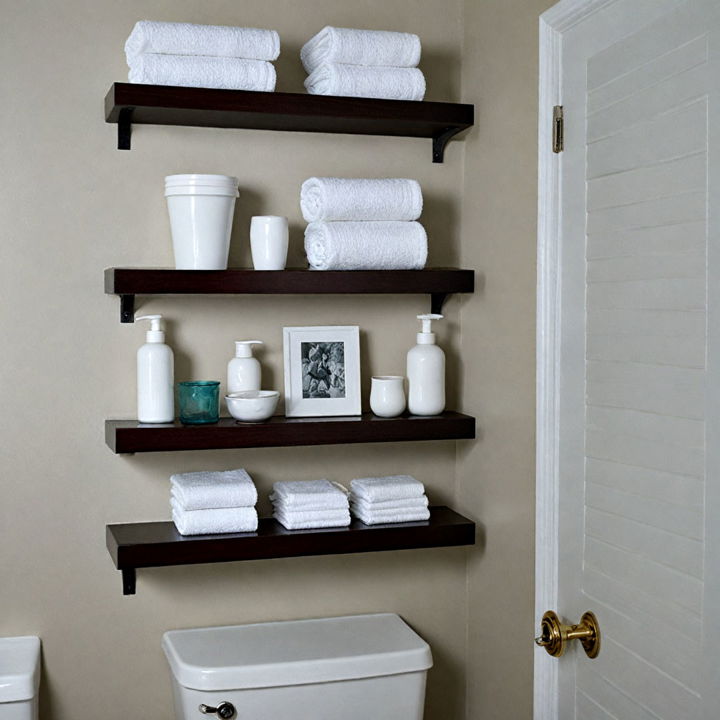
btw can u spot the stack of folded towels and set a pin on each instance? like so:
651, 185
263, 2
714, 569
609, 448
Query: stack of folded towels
393, 499
364, 63
210, 56
205, 503
357, 224
306, 504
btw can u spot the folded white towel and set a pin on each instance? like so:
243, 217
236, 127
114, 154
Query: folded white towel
209, 490
333, 199
310, 515
219, 520
376, 245
361, 47
392, 487
310, 494
388, 83
392, 516
339, 519
416, 503
170, 38
209, 72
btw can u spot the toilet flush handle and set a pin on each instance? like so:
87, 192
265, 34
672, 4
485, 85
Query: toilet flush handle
224, 710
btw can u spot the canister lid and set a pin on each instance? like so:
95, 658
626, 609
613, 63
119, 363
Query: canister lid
19, 668
296, 652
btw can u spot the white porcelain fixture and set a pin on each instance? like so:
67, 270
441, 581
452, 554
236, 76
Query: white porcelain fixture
354, 668
201, 209
19, 677
244, 371
426, 372
252, 405
387, 395
155, 375
269, 242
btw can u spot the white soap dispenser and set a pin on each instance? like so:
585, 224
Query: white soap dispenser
243, 372
426, 372
155, 373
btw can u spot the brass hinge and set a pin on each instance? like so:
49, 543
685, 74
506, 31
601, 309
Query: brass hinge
558, 129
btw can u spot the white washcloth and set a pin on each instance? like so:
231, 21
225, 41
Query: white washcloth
209, 490
361, 47
392, 516
170, 38
387, 83
406, 504
289, 522
209, 72
310, 494
310, 515
219, 520
392, 487
333, 199
376, 245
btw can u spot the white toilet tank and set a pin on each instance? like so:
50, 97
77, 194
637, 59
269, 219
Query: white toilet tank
347, 668
19, 678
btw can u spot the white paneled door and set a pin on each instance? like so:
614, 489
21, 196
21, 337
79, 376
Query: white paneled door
628, 522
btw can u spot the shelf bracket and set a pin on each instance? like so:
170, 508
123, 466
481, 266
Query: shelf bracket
125, 128
441, 140
127, 308
128, 579
437, 300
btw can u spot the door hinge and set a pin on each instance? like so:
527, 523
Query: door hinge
558, 129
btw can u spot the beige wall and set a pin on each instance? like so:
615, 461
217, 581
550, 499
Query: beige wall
73, 205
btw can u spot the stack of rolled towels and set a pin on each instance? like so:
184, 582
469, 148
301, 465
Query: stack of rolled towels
206, 503
392, 499
363, 224
364, 63
210, 56
305, 504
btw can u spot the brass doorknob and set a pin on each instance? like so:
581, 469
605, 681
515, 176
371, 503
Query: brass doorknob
555, 636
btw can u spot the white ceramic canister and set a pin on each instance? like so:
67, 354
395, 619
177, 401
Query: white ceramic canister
201, 209
269, 242
387, 395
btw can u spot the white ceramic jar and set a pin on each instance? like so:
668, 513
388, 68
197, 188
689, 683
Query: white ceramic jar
201, 209
269, 242
387, 395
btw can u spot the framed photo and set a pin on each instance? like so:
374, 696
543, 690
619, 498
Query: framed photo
322, 371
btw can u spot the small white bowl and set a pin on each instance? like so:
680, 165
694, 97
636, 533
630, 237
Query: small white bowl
252, 405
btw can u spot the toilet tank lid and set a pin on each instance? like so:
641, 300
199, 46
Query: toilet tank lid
295, 652
19, 668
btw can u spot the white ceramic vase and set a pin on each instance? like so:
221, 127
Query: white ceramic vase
387, 395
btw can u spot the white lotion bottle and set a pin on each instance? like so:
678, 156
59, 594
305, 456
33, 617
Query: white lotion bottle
155, 374
244, 371
426, 372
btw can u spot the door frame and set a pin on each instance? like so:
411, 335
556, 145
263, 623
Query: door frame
553, 23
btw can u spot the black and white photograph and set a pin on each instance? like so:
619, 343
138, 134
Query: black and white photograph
322, 371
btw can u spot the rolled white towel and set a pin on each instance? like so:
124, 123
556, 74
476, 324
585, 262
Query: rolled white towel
310, 495
388, 83
381, 245
340, 519
405, 504
221, 73
392, 487
168, 38
361, 47
212, 522
210, 490
333, 199
382, 517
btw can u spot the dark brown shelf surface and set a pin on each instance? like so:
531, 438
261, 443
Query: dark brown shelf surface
129, 436
128, 104
155, 544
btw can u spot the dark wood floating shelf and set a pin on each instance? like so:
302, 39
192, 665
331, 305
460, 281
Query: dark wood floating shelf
129, 436
127, 104
156, 544
437, 282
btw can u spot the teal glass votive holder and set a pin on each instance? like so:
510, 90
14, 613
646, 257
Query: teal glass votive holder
199, 402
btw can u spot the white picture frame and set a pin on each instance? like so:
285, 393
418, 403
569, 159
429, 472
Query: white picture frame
322, 371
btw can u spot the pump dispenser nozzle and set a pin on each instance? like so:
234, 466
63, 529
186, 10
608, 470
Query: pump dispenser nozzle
155, 333
427, 336
243, 348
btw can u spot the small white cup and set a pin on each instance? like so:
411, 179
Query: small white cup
269, 242
387, 395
